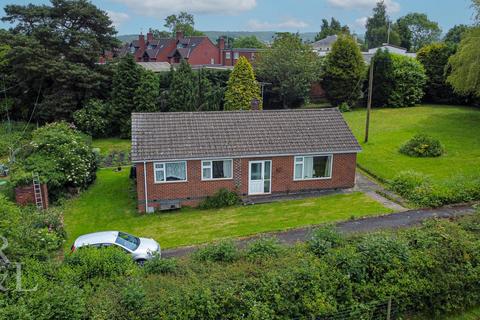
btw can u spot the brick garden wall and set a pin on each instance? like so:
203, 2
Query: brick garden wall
194, 189
26, 195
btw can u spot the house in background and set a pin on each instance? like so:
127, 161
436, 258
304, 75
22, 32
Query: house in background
323, 46
183, 157
197, 51
391, 48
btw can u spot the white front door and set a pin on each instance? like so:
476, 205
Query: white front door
259, 177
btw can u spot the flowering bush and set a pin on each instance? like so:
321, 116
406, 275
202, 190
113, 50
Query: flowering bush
422, 145
92, 119
61, 156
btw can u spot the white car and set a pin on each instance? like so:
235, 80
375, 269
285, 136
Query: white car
141, 249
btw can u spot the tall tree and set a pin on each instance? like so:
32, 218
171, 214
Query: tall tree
434, 58
465, 74
291, 67
242, 87
209, 96
416, 31
54, 53
146, 98
184, 22
125, 83
157, 34
383, 83
455, 34
248, 42
379, 29
343, 72
181, 96
330, 29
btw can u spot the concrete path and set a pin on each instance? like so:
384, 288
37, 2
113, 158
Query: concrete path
390, 221
375, 191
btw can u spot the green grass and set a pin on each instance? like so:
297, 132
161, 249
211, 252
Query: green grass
455, 127
473, 314
110, 205
109, 145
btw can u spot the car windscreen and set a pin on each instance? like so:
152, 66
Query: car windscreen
128, 241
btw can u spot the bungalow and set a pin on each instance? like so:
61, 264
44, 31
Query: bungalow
183, 157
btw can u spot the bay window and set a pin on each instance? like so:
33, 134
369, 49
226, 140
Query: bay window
170, 171
217, 169
313, 167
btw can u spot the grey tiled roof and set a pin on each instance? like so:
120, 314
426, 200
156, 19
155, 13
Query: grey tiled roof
194, 135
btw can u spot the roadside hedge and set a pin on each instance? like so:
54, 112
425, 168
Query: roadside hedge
423, 192
432, 270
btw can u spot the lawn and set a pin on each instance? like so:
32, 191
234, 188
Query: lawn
110, 205
109, 145
455, 127
473, 314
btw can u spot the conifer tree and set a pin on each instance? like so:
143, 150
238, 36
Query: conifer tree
182, 93
147, 94
242, 88
125, 82
344, 69
383, 83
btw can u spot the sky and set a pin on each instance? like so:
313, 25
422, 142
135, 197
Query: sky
135, 16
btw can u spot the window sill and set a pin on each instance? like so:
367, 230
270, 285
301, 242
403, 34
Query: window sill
218, 179
313, 179
167, 182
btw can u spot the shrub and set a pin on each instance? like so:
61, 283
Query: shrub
92, 119
409, 81
344, 107
90, 262
263, 248
158, 265
422, 145
60, 155
324, 239
421, 191
222, 198
224, 251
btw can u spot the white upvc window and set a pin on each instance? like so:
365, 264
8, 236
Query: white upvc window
236, 55
165, 172
313, 167
228, 55
217, 169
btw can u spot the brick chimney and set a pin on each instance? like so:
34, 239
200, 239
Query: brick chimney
221, 43
150, 37
221, 48
141, 42
179, 35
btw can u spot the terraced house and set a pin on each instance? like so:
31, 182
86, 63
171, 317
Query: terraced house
197, 50
183, 157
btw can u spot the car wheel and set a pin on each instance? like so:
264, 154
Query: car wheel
141, 262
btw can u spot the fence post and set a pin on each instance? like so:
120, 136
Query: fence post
389, 308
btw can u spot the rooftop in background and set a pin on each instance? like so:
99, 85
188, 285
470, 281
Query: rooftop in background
205, 135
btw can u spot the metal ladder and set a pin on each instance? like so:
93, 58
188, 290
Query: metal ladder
38, 191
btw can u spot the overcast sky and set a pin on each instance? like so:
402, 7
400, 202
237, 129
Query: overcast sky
134, 16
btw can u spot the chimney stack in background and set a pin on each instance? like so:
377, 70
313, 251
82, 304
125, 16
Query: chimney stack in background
141, 42
150, 37
179, 35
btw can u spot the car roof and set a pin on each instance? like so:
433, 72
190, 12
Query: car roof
97, 237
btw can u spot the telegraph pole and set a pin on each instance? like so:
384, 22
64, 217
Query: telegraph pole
369, 103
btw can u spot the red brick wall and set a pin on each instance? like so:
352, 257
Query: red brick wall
203, 54
251, 56
26, 195
194, 190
